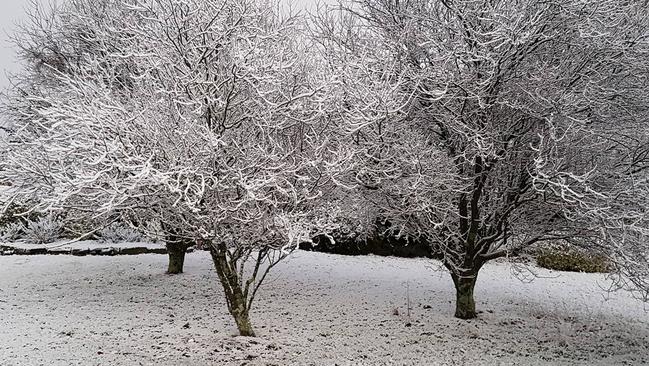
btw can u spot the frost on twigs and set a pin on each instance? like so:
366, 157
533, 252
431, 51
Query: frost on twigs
43, 230
209, 117
118, 233
488, 127
12, 232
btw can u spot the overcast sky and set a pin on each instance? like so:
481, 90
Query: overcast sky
13, 12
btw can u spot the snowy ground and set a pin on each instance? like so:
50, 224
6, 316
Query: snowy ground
317, 309
68, 245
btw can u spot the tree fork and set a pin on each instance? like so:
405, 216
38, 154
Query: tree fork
237, 302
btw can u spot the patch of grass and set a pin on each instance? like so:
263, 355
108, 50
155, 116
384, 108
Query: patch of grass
572, 260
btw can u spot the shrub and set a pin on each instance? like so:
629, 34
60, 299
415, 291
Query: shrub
12, 214
572, 260
76, 226
43, 230
118, 233
12, 232
154, 232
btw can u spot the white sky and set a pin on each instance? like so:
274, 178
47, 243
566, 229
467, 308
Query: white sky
13, 12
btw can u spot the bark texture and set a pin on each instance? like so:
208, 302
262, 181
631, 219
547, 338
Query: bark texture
234, 294
176, 253
464, 302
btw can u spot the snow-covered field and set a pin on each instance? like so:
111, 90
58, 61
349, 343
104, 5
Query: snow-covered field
67, 245
63, 246
316, 309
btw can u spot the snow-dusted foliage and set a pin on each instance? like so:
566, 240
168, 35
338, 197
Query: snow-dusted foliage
12, 232
207, 116
486, 127
43, 230
118, 233
153, 231
483, 127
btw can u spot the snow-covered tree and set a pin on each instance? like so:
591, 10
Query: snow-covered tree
207, 116
55, 44
488, 126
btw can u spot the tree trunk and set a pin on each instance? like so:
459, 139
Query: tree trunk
176, 253
464, 303
242, 317
234, 295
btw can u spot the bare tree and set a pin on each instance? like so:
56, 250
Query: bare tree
218, 130
518, 126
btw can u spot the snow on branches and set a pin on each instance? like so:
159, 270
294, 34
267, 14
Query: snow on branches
480, 127
207, 116
525, 121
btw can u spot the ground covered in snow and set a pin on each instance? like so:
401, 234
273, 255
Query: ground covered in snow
68, 245
315, 309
